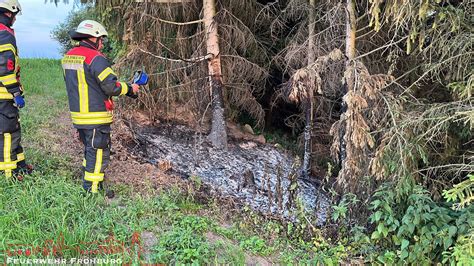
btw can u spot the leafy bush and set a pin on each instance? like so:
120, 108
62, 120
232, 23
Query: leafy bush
463, 251
185, 243
61, 32
182, 245
414, 229
255, 244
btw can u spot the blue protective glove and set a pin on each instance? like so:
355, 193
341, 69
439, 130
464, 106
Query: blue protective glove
19, 100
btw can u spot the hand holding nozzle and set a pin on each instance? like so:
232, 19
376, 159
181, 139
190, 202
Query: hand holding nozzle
133, 91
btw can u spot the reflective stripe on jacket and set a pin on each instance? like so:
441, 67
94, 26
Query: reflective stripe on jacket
9, 64
90, 82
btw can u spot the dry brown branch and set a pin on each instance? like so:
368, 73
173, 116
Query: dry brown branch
359, 121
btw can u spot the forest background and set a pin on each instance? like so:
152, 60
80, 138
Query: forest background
374, 96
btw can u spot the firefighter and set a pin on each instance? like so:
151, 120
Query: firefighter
12, 159
91, 83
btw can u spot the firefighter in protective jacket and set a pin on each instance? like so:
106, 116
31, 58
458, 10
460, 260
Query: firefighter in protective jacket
12, 159
90, 84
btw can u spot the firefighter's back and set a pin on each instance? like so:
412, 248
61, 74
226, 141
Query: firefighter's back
86, 98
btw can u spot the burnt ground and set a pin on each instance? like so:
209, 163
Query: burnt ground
149, 155
259, 175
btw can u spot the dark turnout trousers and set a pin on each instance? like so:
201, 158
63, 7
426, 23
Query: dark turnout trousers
11, 152
96, 155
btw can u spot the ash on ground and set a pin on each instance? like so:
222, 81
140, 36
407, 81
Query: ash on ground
260, 175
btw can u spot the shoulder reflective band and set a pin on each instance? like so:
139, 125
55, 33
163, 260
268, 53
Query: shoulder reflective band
104, 74
92, 118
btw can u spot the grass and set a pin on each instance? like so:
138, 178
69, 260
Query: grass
50, 205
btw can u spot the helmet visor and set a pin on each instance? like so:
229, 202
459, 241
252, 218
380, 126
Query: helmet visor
78, 36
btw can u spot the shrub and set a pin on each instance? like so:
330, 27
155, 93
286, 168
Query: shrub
61, 32
418, 229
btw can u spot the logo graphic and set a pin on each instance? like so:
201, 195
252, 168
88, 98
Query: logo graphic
53, 251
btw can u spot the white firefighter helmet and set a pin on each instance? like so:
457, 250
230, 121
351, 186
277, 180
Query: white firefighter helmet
11, 5
88, 28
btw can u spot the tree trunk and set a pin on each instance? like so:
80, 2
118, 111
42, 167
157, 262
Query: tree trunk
309, 105
306, 167
218, 135
311, 31
351, 28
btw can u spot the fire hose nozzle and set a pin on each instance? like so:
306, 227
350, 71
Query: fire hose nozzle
140, 77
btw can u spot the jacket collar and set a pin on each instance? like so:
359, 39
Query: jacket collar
5, 20
87, 45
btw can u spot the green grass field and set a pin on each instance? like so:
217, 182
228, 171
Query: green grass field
48, 216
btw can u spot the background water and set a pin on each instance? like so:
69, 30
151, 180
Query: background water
33, 27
